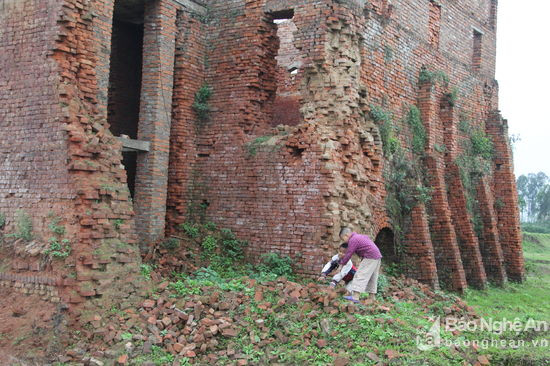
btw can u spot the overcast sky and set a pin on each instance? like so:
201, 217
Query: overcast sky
523, 73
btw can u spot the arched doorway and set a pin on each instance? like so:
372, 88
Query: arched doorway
385, 242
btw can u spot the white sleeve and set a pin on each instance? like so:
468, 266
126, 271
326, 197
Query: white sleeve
343, 272
327, 266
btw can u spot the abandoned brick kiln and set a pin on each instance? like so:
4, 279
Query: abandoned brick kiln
121, 119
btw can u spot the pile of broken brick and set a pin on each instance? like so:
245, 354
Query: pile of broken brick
205, 328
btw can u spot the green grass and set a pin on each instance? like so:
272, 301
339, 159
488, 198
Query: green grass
536, 249
528, 300
371, 330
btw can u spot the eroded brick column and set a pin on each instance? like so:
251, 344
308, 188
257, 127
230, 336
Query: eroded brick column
447, 253
506, 197
467, 239
155, 118
419, 252
491, 250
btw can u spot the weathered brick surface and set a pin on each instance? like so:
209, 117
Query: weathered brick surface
506, 198
102, 207
447, 252
490, 246
33, 146
189, 76
155, 118
286, 189
456, 193
419, 250
68, 39
286, 106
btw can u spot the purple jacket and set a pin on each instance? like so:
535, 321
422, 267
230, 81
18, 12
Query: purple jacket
363, 246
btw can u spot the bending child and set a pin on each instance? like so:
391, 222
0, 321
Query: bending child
346, 273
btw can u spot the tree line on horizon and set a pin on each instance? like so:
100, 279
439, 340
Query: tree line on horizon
534, 199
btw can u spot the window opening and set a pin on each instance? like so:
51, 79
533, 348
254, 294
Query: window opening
476, 59
125, 72
385, 242
286, 105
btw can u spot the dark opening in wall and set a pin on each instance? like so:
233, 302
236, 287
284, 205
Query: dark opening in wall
476, 56
282, 14
286, 106
125, 78
129, 160
385, 242
434, 24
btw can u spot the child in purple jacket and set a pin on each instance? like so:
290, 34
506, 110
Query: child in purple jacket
346, 273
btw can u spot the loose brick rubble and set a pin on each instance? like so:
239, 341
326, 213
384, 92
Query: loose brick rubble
203, 328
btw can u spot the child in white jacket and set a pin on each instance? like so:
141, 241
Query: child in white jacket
346, 273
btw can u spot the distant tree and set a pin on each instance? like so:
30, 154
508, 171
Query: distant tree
522, 195
528, 191
522, 205
543, 204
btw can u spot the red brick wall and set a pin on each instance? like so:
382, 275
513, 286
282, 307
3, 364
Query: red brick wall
155, 118
33, 145
300, 184
490, 245
506, 198
189, 76
277, 194
286, 189
82, 182
466, 237
400, 39
434, 24
419, 251
257, 193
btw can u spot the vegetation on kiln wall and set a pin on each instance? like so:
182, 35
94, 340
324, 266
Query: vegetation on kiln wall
201, 106
197, 202
432, 76
474, 162
384, 121
221, 249
23, 228
403, 174
253, 146
452, 96
417, 128
59, 247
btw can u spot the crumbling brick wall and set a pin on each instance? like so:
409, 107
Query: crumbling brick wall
356, 55
273, 185
35, 182
290, 151
65, 150
33, 145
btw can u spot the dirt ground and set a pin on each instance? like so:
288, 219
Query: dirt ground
27, 328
